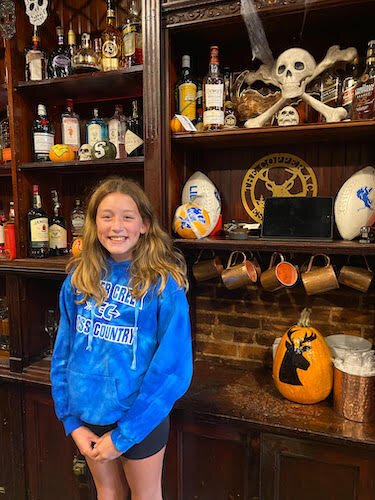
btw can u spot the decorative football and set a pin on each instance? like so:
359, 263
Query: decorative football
104, 150
355, 203
201, 190
191, 221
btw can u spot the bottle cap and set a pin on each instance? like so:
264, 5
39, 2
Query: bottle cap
69, 103
186, 61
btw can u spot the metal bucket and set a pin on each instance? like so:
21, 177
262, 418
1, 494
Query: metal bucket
354, 396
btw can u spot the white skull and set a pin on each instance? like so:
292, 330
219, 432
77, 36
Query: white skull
287, 116
37, 11
85, 152
292, 68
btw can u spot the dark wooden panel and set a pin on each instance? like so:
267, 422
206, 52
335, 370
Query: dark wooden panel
292, 469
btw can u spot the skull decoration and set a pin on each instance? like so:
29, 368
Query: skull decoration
36, 11
292, 69
287, 116
7, 18
85, 152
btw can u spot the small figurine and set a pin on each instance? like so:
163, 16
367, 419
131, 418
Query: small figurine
85, 152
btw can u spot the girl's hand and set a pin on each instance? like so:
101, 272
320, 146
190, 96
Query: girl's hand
84, 439
104, 449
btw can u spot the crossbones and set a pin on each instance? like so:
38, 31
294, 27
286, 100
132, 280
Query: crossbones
293, 71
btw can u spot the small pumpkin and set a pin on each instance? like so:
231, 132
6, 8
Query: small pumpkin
176, 125
302, 369
77, 247
61, 153
104, 150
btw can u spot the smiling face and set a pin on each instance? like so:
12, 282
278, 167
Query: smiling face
119, 225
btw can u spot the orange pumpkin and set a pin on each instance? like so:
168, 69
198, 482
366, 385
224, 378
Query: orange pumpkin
176, 125
302, 369
77, 247
61, 153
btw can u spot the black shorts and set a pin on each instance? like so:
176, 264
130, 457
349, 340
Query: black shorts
151, 444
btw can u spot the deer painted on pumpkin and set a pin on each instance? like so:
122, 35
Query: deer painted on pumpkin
293, 358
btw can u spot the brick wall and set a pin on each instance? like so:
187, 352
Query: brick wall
239, 326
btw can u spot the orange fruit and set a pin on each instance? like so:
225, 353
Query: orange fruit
77, 247
176, 125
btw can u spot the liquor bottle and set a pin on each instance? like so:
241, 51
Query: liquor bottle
230, 120
199, 120
117, 130
10, 233
77, 219
5, 138
72, 44
187, 91
111, 42
96, 129
57, 233
364, 94
132, 37
35, 58
43, 134
330, 87
59, 63
38, 227
85, 58
98, 51
3, 222
70, 129
134, 133
213, 94
348, 89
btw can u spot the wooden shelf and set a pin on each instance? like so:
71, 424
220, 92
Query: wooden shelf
86, 87
5, 171
339, 247
69, 167
49, 267
322, 132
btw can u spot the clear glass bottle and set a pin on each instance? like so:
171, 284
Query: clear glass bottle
96, 129
213, 94
134, 133
38, 227
364, 94
57, 233
111, 42
230, 120
85, 59
72, 44
187, 91
117, 130
70, 129
132, 36
59, 63
77, 219
35, 59
43, 134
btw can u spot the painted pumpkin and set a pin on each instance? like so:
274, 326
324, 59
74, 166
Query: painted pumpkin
104, 150
77, 247
61, 153
302, 369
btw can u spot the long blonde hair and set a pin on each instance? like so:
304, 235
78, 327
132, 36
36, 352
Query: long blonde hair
153, 257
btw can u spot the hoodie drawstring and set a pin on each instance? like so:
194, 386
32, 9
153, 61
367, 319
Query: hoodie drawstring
135, 336
92, 316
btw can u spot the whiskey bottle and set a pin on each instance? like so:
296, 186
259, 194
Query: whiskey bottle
199, 121
348, 89
230, 120
38, 227
70, 129
213, 94
117, 130
72, 44
96, 129
85, 59
132, 37
57, 233
35, 58
330, 88
364, 94
187, 91
59, 63
134, 133
111, 42
77, 219
43, 134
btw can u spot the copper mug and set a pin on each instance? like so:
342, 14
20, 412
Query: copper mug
319, 279
242, 274
277, 276
356, 277
207, 269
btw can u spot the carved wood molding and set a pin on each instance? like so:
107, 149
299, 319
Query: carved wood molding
179, 13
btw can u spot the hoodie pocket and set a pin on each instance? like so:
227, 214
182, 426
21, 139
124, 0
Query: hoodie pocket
93, 398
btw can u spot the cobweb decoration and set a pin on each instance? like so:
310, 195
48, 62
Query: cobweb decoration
258, 40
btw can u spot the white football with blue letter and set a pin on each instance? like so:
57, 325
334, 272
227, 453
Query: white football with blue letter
355, 203
199, 189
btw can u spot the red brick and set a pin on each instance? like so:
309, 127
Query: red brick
244, 336
252, 352
264, 338
240, 321
217, 348
353, 316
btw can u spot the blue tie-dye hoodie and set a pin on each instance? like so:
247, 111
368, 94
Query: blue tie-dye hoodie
124, 362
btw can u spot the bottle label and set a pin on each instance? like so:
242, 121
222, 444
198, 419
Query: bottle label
70, 132
214, 94
1, 235
94, 133
132, 142
130, 39
213, 117
364, 99
61, 61
57, 236
43, 142
78, 221
330, 94
348, 94
34, 62
187, 100
39, 231
109, 56
114, 135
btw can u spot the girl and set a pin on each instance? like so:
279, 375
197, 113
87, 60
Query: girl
123, 354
